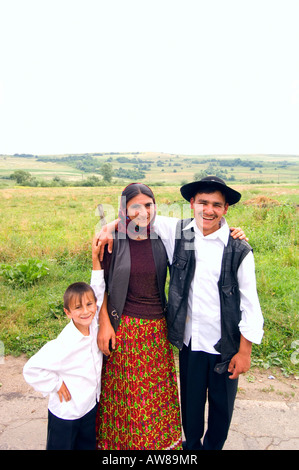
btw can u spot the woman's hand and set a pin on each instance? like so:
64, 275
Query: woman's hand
106, 334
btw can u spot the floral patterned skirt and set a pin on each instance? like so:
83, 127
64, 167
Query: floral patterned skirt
139, 406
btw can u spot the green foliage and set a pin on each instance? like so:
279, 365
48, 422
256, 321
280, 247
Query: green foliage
107, 172
70, 169
129, 174
21, 176
24, 274
57, 228
84, 163
55, 307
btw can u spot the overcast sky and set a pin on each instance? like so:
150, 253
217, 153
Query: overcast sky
179, 76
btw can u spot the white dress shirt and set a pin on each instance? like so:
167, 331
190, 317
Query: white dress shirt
71, 358
203, 325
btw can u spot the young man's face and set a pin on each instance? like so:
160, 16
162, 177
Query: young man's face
82, 312
208, 210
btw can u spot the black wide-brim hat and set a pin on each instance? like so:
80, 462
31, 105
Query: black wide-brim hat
191, 189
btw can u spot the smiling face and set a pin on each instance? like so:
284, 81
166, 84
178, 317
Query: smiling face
208, 210
82, 311
140, 209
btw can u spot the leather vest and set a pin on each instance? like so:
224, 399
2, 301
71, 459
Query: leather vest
182, 273
119, 275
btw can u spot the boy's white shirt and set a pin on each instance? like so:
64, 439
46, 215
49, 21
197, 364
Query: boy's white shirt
203, 316
71, 358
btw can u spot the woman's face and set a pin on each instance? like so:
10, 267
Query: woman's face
141, 209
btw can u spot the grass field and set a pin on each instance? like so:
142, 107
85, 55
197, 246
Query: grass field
38, 169
56, 226
162, 168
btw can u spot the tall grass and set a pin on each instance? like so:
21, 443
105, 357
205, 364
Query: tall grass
273, 235
57, 226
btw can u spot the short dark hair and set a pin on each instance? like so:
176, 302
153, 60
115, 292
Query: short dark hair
209, 190
76, 289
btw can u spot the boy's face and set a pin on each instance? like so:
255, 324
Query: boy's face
82, 312
208, 210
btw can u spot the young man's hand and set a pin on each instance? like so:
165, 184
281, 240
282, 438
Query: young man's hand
241, 361
237, 232
106, 237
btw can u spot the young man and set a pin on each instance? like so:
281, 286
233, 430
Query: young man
214, 313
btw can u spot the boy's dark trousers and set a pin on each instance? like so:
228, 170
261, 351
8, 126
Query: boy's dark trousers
198, 378
72, 434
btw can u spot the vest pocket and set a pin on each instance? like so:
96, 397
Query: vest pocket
229, 289
179, 263
179, 273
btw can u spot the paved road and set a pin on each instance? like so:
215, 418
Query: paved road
256, 425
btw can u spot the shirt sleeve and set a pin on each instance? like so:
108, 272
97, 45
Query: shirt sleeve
251, 324
98, 285
165, 227
41, 371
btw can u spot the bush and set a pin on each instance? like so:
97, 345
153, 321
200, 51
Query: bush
24, 274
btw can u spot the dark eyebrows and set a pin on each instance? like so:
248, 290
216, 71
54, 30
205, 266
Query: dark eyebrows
204, 201
137, 205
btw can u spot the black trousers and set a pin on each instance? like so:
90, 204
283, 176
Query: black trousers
72, 434
199, 382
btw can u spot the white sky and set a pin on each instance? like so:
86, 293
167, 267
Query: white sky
178, 76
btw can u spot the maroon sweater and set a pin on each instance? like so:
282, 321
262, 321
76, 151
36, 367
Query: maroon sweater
143, 299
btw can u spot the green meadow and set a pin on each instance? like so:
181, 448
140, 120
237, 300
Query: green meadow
45, 244
46, 233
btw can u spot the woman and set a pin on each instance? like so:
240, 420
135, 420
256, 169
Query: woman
139, 405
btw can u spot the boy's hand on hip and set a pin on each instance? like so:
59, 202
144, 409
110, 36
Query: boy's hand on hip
63, 392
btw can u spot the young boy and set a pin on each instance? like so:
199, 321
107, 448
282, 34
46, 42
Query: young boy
68, 369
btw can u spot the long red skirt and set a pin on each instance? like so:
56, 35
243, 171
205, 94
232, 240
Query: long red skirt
139, 406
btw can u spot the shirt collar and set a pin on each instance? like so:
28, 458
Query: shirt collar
75, 335
222, 234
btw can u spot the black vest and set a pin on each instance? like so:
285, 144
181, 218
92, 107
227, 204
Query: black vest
119, 275
182, 273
